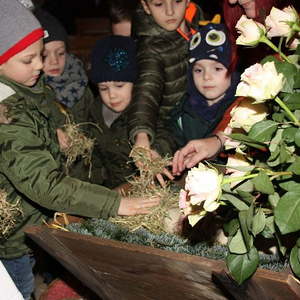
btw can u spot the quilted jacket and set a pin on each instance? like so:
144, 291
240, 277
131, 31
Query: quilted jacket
31, 169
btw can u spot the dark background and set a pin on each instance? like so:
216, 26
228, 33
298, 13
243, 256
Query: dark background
67, 11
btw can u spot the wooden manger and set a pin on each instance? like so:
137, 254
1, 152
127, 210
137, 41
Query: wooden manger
121, 271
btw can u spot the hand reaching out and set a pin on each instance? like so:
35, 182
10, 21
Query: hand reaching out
194, 152
135, 206
142, 141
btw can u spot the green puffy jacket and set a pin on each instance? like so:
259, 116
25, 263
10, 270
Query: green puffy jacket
31, 167
162, 61
112, 146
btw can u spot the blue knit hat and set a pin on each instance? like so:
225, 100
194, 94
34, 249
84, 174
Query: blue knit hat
211, 42
114, 59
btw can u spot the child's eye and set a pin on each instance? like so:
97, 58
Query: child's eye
197, 70
102, 89
27, 62
157, 4
178, 1
120, 85
219, 69
62, 53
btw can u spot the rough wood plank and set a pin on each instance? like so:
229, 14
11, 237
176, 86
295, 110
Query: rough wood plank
116, 270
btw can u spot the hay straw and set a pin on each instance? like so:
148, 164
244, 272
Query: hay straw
80, 145
9, 214
145, 186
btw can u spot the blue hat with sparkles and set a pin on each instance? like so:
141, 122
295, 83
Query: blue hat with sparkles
114, 59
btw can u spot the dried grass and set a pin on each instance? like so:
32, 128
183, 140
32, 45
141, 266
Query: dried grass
9, 213
79, 144
145, 186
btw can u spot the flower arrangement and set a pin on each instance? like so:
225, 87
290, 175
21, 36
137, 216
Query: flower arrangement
261, 187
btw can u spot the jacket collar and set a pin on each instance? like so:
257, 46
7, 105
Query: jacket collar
32, 96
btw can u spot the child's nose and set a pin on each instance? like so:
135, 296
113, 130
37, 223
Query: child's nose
169, 9
111, 93
53, 60
207, 75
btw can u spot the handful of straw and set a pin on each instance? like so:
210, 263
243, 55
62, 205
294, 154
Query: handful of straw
145, 186
9, 213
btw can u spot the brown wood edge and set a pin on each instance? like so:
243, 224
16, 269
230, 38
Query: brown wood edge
45, 236
216, 266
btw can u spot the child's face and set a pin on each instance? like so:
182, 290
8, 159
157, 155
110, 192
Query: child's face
54, 55
116, 94
211, 79
169, 14
122, 28
25, 66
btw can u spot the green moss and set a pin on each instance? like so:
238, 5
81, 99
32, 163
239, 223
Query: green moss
105, 229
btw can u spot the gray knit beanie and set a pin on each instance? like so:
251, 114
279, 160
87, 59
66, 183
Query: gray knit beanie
54, 30
18, 29
27, 3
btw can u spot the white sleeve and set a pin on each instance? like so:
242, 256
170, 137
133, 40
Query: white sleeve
7, 286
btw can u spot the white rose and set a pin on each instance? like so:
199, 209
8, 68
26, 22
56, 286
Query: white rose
236, 161
247, 113
250, 31
280, 22
261, 82
203, 184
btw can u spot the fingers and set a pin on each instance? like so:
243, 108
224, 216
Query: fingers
192, 160
168, 174
160, 180
144, 207
151, 202
175, 168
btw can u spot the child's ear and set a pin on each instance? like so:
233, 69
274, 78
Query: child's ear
146, 7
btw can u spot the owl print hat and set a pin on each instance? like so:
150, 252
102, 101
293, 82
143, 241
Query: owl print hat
211, 42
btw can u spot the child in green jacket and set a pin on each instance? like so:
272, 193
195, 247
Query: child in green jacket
31, 171
114, 70
162, 29
65, 74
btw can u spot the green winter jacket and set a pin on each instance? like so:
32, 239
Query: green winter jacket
31, 168
162, 61
113, 147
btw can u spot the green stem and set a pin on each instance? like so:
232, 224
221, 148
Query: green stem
287, 110
296, 27
275, 48
280, 43
239, 178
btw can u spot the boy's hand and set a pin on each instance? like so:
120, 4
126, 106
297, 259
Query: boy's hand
166, 172
194, 152
134, 206
142, 140
63, 139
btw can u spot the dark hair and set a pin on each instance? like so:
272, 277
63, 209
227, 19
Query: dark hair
120, 10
